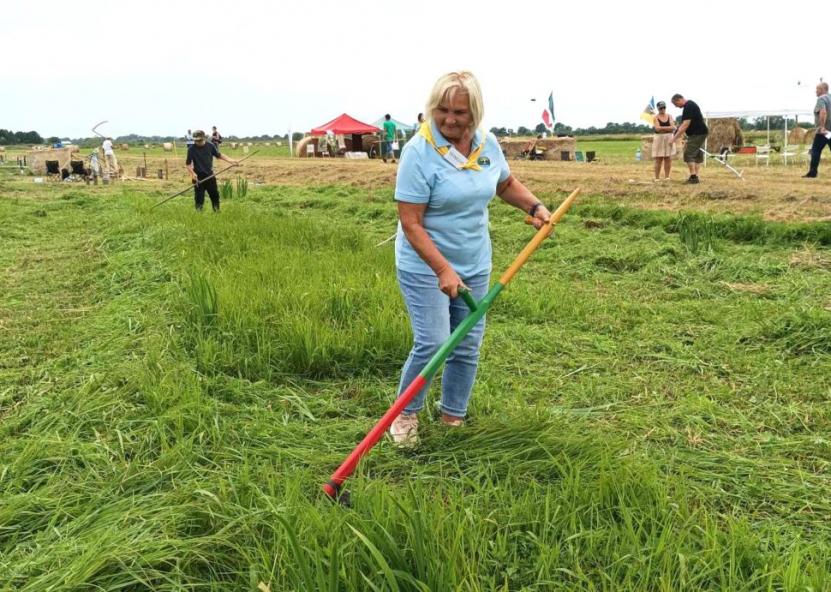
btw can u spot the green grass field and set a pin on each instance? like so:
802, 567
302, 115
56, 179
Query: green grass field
652, 410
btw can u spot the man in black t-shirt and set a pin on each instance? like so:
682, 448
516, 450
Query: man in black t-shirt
692, 122
200, 163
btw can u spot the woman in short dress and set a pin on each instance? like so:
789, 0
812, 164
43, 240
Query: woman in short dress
662, 149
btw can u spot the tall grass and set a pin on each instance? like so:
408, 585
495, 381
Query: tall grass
174, 388
242, 187
298, 299
226, 190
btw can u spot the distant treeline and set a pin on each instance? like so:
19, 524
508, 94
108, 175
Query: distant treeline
10, 138
560, 128
611, 128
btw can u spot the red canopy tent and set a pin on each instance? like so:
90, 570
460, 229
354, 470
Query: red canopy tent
343, 125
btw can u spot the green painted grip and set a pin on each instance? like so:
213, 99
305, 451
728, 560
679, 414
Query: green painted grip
468, 298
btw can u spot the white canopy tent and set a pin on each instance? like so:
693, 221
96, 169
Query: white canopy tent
783, 113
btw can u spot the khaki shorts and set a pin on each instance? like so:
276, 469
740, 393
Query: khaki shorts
692, 152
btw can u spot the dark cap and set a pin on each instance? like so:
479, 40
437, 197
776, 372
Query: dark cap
199, 137
661, 104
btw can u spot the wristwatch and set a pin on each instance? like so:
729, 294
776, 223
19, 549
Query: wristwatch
534, 208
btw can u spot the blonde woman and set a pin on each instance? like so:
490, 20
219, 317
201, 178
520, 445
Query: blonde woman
447, 176
662, 149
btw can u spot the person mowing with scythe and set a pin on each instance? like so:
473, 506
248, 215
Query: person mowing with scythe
447, 176
200, 163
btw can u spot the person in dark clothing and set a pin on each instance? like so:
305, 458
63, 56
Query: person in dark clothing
692, 123
200, 163
822, 119
216, 137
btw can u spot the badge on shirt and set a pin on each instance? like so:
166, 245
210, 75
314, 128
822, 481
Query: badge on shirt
484, 161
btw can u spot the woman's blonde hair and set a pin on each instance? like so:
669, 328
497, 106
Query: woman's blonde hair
451, 83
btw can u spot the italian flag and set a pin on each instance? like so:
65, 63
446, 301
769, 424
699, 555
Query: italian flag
548, 113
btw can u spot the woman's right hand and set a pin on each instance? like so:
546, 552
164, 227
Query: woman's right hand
450, 282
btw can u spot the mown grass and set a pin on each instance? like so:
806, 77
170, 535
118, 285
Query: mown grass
652, 410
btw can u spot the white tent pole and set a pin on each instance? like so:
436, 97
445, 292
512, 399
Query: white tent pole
291, 149
707, 123
785, 149
768, 120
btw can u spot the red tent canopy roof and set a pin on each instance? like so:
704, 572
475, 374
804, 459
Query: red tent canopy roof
344, 124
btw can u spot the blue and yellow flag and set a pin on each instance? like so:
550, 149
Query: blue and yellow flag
648, 114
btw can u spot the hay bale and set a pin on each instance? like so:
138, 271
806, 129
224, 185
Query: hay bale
300, 147
245, 149
2, 148
267, 144
796, 136
725, 132
552, 148
513, 147
800, 136
36, 159
646, 148
167, 146
124, 146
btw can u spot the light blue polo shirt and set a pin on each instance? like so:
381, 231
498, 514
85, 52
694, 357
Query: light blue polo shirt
457, 200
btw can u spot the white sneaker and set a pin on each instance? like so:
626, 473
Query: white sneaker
404, 430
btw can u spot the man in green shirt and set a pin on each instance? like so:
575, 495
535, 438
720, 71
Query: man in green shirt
389, 138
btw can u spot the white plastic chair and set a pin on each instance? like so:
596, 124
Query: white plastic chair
788, 154
763, 153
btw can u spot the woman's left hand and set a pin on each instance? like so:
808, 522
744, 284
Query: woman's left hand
541, 217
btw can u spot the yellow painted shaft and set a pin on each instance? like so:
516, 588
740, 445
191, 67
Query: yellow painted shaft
541, 235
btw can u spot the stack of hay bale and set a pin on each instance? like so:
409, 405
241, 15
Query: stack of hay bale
553, 148
801, 136
725, 132
36, 159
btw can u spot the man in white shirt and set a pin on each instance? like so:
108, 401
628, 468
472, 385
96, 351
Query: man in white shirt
109, 156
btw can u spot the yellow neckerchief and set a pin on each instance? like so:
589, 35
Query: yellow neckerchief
471, 163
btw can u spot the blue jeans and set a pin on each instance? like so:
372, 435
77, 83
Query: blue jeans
433, 316
387, 149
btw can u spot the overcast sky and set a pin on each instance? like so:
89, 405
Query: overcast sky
250, 68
